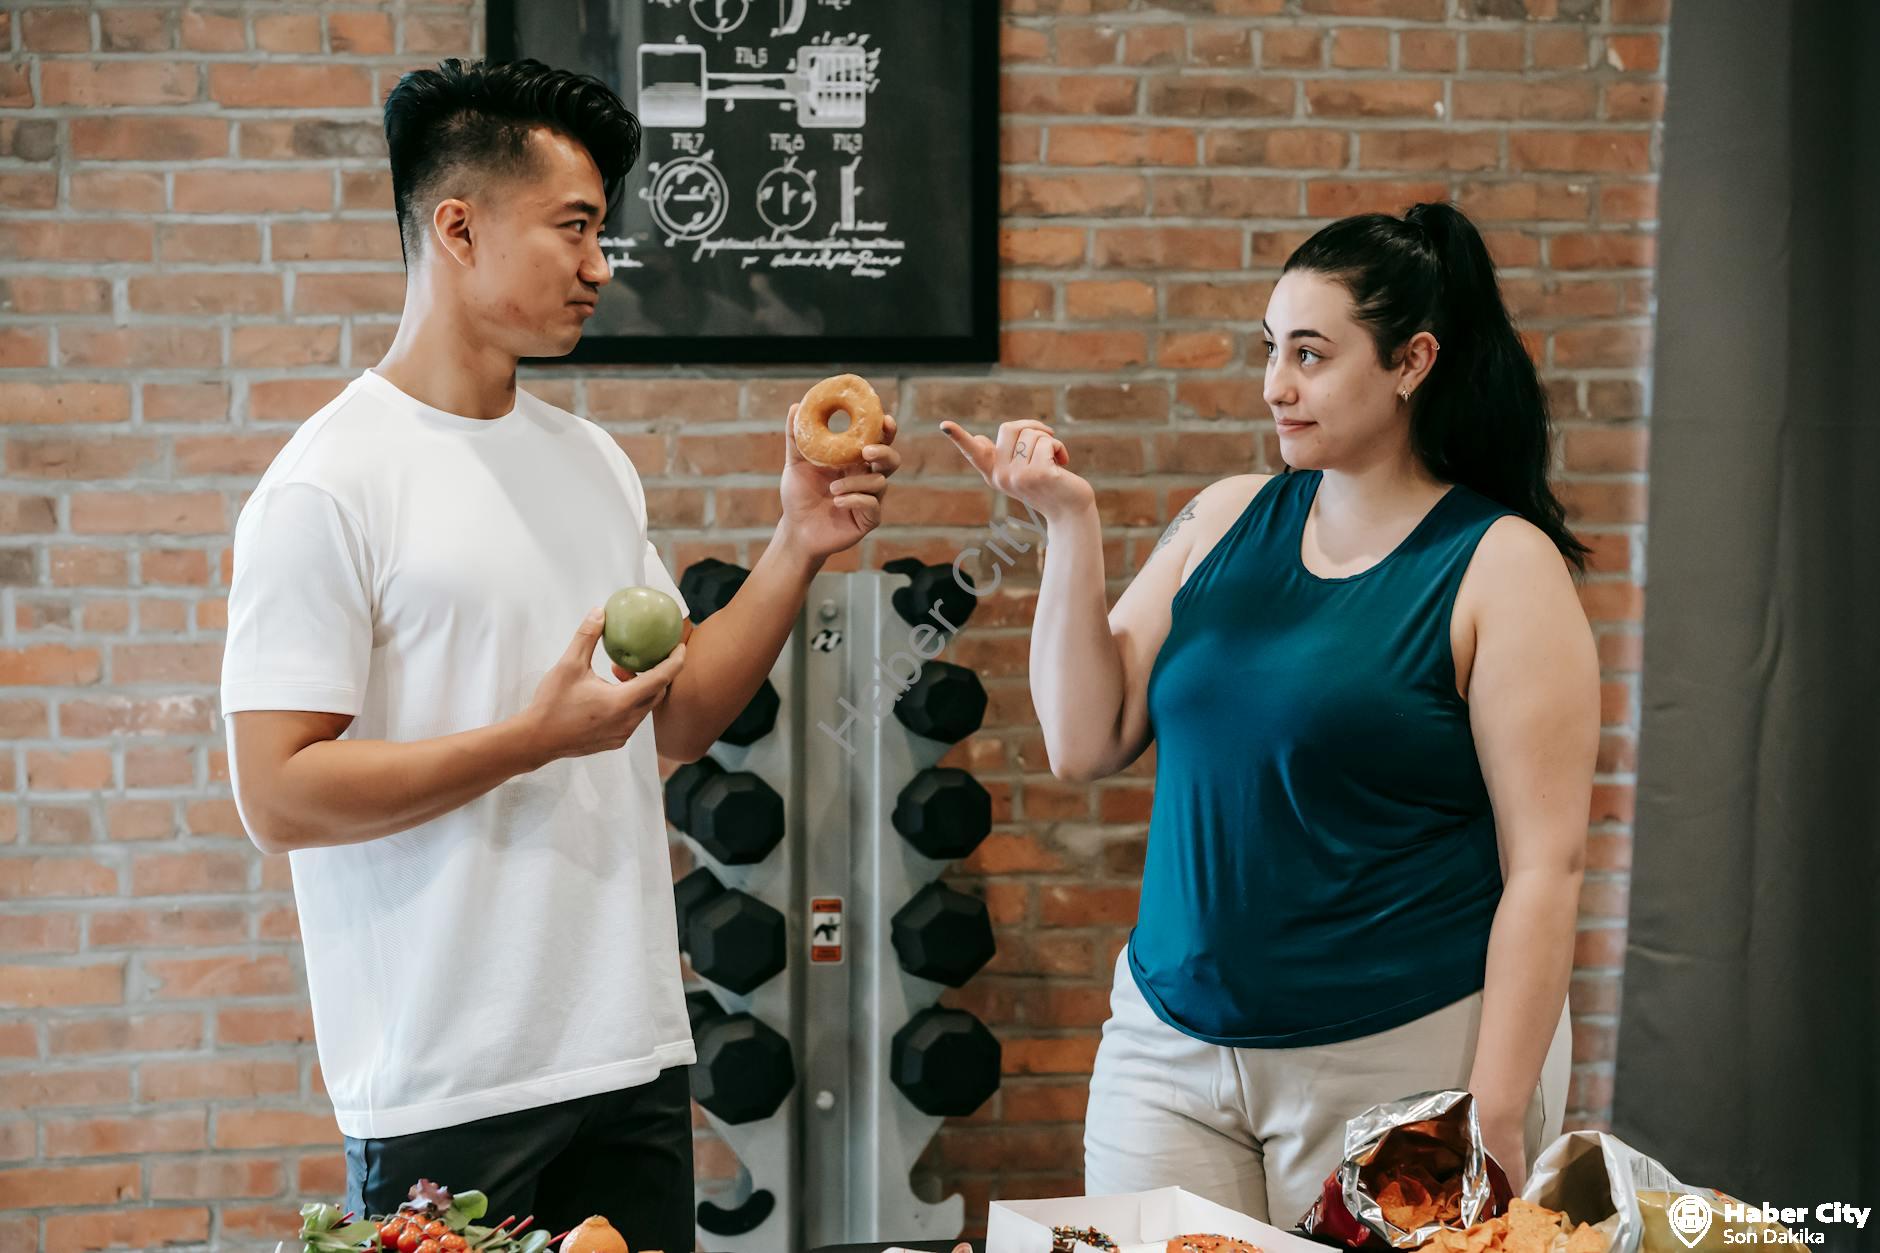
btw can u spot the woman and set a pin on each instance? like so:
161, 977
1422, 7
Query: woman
1375, 702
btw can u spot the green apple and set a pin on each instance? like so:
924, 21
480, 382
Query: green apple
643, 626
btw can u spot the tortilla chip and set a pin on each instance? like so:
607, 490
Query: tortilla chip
1586, 1240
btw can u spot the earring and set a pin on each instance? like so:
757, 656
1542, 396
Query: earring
1403, 394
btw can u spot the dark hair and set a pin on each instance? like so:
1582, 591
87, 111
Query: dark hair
473, 119
1480, 418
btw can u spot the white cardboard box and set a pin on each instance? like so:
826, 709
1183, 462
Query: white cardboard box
1139, 1222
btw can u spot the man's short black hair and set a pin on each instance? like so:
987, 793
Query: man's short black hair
454, 128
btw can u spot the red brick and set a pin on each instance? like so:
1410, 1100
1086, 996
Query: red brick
1385, 97
1591, 152
1194, 350
46, 1089
113, 457
1155, 45
1084, 46
1042, 246
80, 770
273, 1128
1075, 95
210, 1178
42, 1187
1073, 350
1456, 151
130, 513
361, 34
91, 241
279, 86
349, 293
1169, 247
1413, 10
1292, 47
1073, 1056
132, 30
148, 138
134, 1228
224, 1079
55, 30
204, 978
1096, 301
1225, 196
109, 84
136, 1033
34, 987
1534, 100
1337, 198
121, 1136
1229, 47
254, 1028
39, 294
1221, 95
1072, 195
1121, 145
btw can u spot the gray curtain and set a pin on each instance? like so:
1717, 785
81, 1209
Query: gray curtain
1748, 1056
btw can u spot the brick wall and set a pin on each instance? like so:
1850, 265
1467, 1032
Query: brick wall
196, 252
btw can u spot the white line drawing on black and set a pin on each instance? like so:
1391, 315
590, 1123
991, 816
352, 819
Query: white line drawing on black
827, 84
789, 17
786, 197
851, 195
720, 17
688, 197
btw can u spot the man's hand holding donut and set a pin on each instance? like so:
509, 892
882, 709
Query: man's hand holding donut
828, 510
1028, 463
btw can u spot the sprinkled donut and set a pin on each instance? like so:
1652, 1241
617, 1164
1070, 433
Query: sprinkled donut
845, 393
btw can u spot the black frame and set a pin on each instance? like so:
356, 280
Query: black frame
980, 345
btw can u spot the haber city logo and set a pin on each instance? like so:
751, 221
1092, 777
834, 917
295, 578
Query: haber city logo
1691, 1216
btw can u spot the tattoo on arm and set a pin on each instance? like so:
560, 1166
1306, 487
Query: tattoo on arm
1187, 512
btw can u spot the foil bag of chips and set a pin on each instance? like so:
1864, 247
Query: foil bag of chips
1411, 1168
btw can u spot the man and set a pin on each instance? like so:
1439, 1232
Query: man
473, 812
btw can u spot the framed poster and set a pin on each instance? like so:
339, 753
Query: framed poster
818, 179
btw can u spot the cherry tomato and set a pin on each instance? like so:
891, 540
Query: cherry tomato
389, 1232
410, 1239
435, 1230
430, 1246
453, 1243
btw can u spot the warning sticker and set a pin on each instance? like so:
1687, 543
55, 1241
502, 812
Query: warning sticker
825, 930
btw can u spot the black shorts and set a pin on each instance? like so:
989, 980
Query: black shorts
625, 1155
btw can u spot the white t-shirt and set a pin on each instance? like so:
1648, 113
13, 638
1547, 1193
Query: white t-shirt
422, 571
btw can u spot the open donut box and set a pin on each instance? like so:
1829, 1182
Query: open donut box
1139, 1222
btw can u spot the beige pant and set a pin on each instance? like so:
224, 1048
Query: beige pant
1258, 1130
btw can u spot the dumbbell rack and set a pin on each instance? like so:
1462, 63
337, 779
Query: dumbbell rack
836, 1156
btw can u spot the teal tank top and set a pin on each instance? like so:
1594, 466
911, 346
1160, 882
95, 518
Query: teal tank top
1321, 861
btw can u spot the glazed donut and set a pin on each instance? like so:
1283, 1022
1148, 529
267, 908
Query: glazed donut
845, 393
1210, 1244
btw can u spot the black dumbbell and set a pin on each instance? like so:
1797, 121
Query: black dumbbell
744, 1070
945, 702
755, 721
943, 812
930, 587
945, 1062
701, 1006
943, 935
734, 815
689, 893
708, 586
733, 939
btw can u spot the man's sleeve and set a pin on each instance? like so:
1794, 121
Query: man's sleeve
299, 606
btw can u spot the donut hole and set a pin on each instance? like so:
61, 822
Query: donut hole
839, 421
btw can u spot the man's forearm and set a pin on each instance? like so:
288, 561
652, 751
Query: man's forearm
350, 791
1530, 963
728, 656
